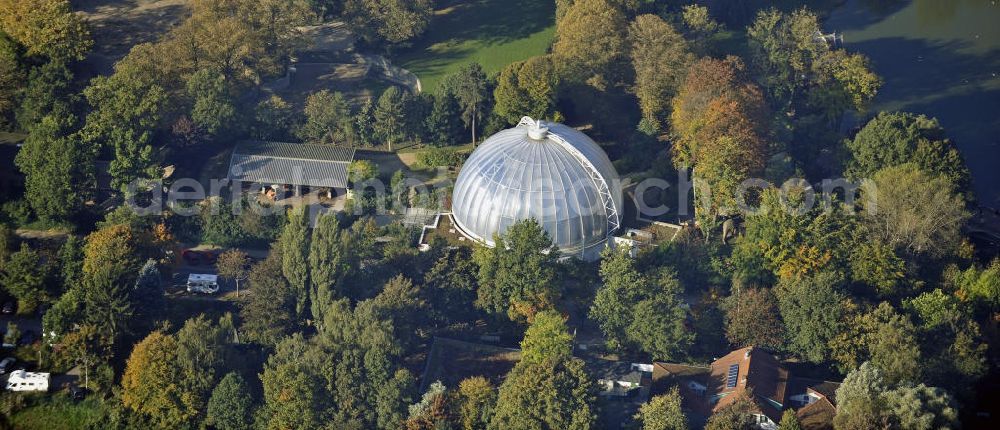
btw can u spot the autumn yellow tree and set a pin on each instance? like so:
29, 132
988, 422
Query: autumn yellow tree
718, 122
660, 57
46, 27
149, 384
590, 42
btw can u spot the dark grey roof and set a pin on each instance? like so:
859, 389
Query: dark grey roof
299, 151
291, 164
616, 371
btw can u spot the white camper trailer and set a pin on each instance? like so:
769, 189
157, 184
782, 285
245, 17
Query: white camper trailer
19, 380
204, 284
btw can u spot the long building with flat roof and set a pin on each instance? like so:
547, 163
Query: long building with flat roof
294, 164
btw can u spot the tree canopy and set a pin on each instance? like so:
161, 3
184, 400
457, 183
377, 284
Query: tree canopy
46, 27
895, 138
660, 57
590, 43
518, 276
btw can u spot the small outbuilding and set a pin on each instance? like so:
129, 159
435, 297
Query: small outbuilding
302, 167
20, 380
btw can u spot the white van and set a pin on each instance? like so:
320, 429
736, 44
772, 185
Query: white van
19, 380
204, 284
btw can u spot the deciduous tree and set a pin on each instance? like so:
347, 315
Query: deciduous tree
922, 407
735, 416
113, 257
470, 86
752, 319
273, 119
234, 264
48, 91
590, 43
451, 286
150, 383
812, 310
639, 311
663, 412
328, 119
213, 110
294, 393
717, 124
527, 88
860, 400
57, 168
200, 355
661, 58
981, 284
12, 74
46, 27
391, 21
476, 399
294, 244
783, 48
268, 314
895, 138
518, 275
431, 412
885, 338
328, 264
789, 421
23, 276
914, 211
554, 393
231, 404
623, 286
126, 109
547, 338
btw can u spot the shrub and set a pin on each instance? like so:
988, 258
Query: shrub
442, 157
17, 212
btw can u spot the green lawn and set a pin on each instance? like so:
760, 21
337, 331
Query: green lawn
493, 33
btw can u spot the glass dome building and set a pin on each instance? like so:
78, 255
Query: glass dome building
546, 171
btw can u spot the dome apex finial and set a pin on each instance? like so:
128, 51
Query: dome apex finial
537, 129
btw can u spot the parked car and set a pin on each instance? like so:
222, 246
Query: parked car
77, 393
7, 364
9, 308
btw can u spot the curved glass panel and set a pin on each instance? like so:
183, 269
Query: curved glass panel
512, 177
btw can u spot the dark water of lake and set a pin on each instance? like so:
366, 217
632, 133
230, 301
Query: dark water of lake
940, 58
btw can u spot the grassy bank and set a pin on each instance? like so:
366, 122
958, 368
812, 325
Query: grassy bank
493, 33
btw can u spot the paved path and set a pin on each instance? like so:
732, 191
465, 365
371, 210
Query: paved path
393, 73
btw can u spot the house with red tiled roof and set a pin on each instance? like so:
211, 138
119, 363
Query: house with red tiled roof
755, 374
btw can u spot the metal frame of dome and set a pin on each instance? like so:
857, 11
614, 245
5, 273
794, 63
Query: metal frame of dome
540, 170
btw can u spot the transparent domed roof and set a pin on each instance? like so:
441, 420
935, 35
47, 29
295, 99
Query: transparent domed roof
546, 171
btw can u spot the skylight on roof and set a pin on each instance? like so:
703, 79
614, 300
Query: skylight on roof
734, 372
